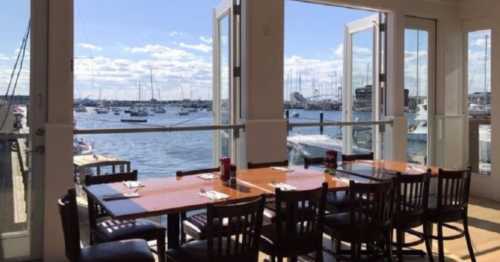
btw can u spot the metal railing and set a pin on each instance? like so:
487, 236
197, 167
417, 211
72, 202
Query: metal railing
235, 128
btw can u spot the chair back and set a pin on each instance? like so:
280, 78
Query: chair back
411, 198
96, 211
233, 231
181, 173
453, 189
267, 164
354, 157
299, 219
69, 219
371, 205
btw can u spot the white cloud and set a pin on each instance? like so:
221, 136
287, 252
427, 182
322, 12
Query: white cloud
90, 46
206, 40
199, 47
175, 34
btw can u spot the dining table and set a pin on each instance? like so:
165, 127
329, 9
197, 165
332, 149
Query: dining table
172, 196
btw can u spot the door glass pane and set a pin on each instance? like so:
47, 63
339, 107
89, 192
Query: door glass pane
225, 84
415, 94
14, 100
362, 88
479, 98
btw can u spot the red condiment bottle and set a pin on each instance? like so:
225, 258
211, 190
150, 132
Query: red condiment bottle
331, 159
225, 168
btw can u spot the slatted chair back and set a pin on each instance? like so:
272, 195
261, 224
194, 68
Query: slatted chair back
181, 173
354, 157
299, 219
453, 189
233, 231
371, 205
411, 196
267, 164
96, 211
313, 161
69, 218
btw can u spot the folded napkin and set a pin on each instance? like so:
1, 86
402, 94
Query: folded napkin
283, 186
120, 196
214, 195
280, 168
207, 176
133, 184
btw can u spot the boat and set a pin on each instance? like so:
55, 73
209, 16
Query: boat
295, 115
158, 109
80, 147
102, 110
485, 148
418, 131
80, 108
183, 112
116, 111
139, 111
134, 120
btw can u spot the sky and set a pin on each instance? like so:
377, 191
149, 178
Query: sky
121, 47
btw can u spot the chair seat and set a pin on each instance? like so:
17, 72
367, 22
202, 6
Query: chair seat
337, 201
114, 229
449, 214
289, 247
197, 251
339, 225
134, 250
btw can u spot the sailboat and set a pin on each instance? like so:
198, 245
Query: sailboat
137, 110
156, 107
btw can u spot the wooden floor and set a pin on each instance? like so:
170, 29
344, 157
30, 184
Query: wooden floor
484, 219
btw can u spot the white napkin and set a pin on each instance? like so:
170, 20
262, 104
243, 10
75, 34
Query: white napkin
133, 184
214, 195
283, 186
280, 168
207, 176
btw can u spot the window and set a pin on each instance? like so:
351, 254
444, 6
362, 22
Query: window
479, 99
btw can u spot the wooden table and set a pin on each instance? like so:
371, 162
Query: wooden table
380, 170
172, 195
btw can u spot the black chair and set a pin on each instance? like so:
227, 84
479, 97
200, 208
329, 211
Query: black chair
313, 161
451, 205
233, 233
411, 197
354, 157
105, 229
251, 165
369, 219
194, 225
298, 225
133, 250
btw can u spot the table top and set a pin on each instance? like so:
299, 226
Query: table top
296, 176
383, 169
166, 195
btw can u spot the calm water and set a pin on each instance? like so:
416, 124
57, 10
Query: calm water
162, 154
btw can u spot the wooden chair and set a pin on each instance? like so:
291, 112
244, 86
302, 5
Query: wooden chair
368, 220
251, 165
298, 226
411, 198
233, 232
313, 161
194, 225
103, 229
451, 205
354, 157
134, 250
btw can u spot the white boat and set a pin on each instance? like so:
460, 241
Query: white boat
479, 110
485, 147
102, 110
418, 132
80, 109
138, 111
183, 112
158, 109
80, 147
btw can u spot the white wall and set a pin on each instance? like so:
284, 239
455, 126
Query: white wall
476, 15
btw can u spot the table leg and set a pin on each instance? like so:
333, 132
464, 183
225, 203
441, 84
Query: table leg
173, 230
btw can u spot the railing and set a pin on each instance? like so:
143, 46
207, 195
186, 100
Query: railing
235, 128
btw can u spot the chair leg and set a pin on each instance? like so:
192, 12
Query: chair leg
440, 242
355, 251
469, 241
428, 240
388, 245
293, 259
400, 239
319, 255
160, 246
338, 246
280, 259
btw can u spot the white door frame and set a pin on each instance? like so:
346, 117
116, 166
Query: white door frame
370, 22
429, 26
223, 10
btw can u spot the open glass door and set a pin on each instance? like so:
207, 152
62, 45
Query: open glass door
362, 95
225, 50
